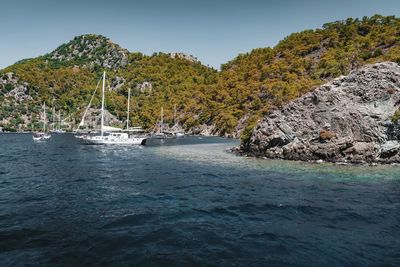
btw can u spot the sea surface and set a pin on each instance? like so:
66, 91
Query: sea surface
188, 202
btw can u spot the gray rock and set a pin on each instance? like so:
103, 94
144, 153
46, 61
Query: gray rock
144, 87
184, 56
19, 89
117, 83
345, 120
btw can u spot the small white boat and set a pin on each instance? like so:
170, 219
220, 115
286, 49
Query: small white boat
176, 130
166, 132
58, 131
42, 136
180, 134
159, 134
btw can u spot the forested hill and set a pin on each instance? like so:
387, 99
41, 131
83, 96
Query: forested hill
67, 77
225, 102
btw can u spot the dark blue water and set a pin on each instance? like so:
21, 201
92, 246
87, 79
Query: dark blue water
189, 203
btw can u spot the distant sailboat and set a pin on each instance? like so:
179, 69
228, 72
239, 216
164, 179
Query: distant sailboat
57, 128
160, 127
60, 130
113, 135
175, 131
42, 136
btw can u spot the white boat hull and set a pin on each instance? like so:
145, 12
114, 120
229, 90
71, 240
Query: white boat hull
41, 137
104, 140
180, 135
57, 131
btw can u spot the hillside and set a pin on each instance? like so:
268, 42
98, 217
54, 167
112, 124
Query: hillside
66, 78
264, 79
226, 103
349, 119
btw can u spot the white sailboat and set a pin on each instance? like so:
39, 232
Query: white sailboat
42, 136
57, 129
166, 132
160, 131
113, 135
176, 131
60, 130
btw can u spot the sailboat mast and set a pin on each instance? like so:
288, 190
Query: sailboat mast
162, 118
59, 120
102, 104
44, 117
53, 115
127, 113
174, 114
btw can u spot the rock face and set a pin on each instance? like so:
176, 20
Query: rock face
11, 86
92, 49
346, 120
206, 130
117, 83
144, 87
184, 56
93, 118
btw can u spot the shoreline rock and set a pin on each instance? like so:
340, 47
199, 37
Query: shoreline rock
347, 120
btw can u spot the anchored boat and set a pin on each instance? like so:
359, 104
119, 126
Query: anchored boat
113, 135
42, 136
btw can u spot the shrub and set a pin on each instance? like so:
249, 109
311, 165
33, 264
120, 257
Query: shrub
396, 116
326, 135
8, 87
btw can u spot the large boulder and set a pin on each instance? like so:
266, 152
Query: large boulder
346, 120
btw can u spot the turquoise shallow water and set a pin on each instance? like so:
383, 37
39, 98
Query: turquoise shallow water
189, 203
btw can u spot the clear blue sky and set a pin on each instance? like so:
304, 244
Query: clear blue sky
215, 31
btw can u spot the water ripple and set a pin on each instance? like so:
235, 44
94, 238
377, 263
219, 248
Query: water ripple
188, 202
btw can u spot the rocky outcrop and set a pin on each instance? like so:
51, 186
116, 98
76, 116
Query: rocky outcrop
144, 87
117, 83
204, 129
11, 86
92, 49
187, 57
346, 120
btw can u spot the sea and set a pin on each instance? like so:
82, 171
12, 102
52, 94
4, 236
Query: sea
189, 202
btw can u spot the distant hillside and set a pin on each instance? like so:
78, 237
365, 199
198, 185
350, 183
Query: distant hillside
67, 77
227, 103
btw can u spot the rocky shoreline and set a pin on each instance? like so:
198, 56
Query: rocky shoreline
348, 120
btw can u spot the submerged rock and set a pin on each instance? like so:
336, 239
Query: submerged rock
346, 120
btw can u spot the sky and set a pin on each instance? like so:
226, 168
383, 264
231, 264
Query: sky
214, 31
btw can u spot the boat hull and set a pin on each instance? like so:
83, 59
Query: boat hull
103, 140
41, 137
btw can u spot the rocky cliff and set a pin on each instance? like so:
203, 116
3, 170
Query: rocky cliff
350, 119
